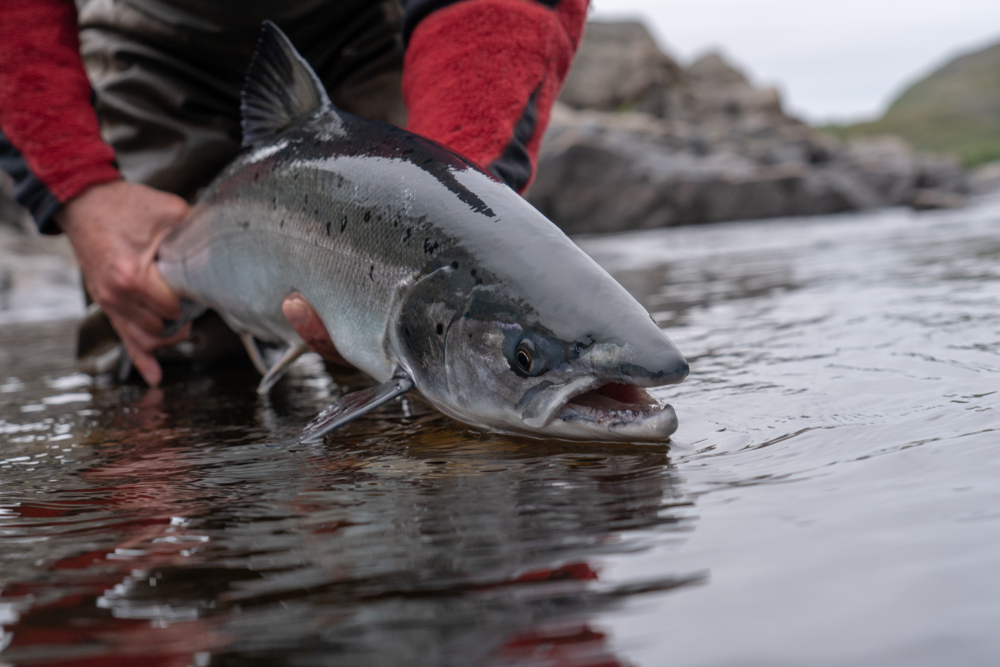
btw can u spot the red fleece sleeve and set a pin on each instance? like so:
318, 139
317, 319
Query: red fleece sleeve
480, 76
45, 109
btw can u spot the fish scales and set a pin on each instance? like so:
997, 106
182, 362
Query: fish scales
426, 271
267, 222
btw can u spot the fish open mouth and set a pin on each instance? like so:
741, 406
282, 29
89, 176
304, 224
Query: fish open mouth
624, 411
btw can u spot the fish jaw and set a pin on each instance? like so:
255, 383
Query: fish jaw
592, 408
613, 411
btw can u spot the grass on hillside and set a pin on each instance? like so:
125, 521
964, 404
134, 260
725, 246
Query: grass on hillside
956, 110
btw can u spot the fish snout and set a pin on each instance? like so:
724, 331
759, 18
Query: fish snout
649, 362
659, 367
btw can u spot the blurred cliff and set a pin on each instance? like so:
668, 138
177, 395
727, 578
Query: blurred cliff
638, 141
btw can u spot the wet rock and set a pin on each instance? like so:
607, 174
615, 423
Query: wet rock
703, 144
603, 172
887, 164
925, 199
986, 178
903, 177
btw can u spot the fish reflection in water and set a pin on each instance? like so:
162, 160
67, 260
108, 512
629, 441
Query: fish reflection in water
194, 530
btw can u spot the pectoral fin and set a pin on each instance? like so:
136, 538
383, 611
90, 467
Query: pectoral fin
354, 405
280, 367
250, 343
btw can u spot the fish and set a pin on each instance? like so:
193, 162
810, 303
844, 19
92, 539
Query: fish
429, 274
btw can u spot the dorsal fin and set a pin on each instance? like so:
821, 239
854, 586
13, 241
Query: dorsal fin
280, 87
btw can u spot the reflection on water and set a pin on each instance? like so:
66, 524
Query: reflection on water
830, 497
176, 522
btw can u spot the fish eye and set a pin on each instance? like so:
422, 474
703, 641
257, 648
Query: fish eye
524, 355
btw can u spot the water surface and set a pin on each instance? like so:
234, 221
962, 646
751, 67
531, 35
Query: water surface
830, 498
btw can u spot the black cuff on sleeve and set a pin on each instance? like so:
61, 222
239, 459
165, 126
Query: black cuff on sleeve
514, 167
29, 192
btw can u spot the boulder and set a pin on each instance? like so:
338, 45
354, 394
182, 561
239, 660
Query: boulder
925, 199
619, 66
986, 178
638, 142
603, 172
888, 164
712, 69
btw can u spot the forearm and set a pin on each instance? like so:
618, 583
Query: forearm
51, 142
480, 76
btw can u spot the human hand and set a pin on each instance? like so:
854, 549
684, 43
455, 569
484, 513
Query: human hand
115, 229
310, 328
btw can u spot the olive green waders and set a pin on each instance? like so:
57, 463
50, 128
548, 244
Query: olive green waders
167, 76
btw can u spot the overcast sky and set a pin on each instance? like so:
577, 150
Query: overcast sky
842, 60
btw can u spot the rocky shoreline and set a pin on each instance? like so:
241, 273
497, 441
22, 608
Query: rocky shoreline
638, 142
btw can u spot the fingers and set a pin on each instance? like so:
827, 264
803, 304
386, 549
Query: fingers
147, 303
145, 363
142, 318
160, 299
115, 229
142, 295
140, 346
310, 328
306, 322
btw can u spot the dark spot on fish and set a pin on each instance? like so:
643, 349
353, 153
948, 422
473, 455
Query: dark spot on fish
479, 281
327, 228
371, 273
472, 273
368, 216
440, 329
406, 236
244, 224
305, 198
406, 332
343, 224
281, 225
454, 265
256, 177
428, 160
430, 246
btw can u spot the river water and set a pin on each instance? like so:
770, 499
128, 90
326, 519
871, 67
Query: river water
832, 496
